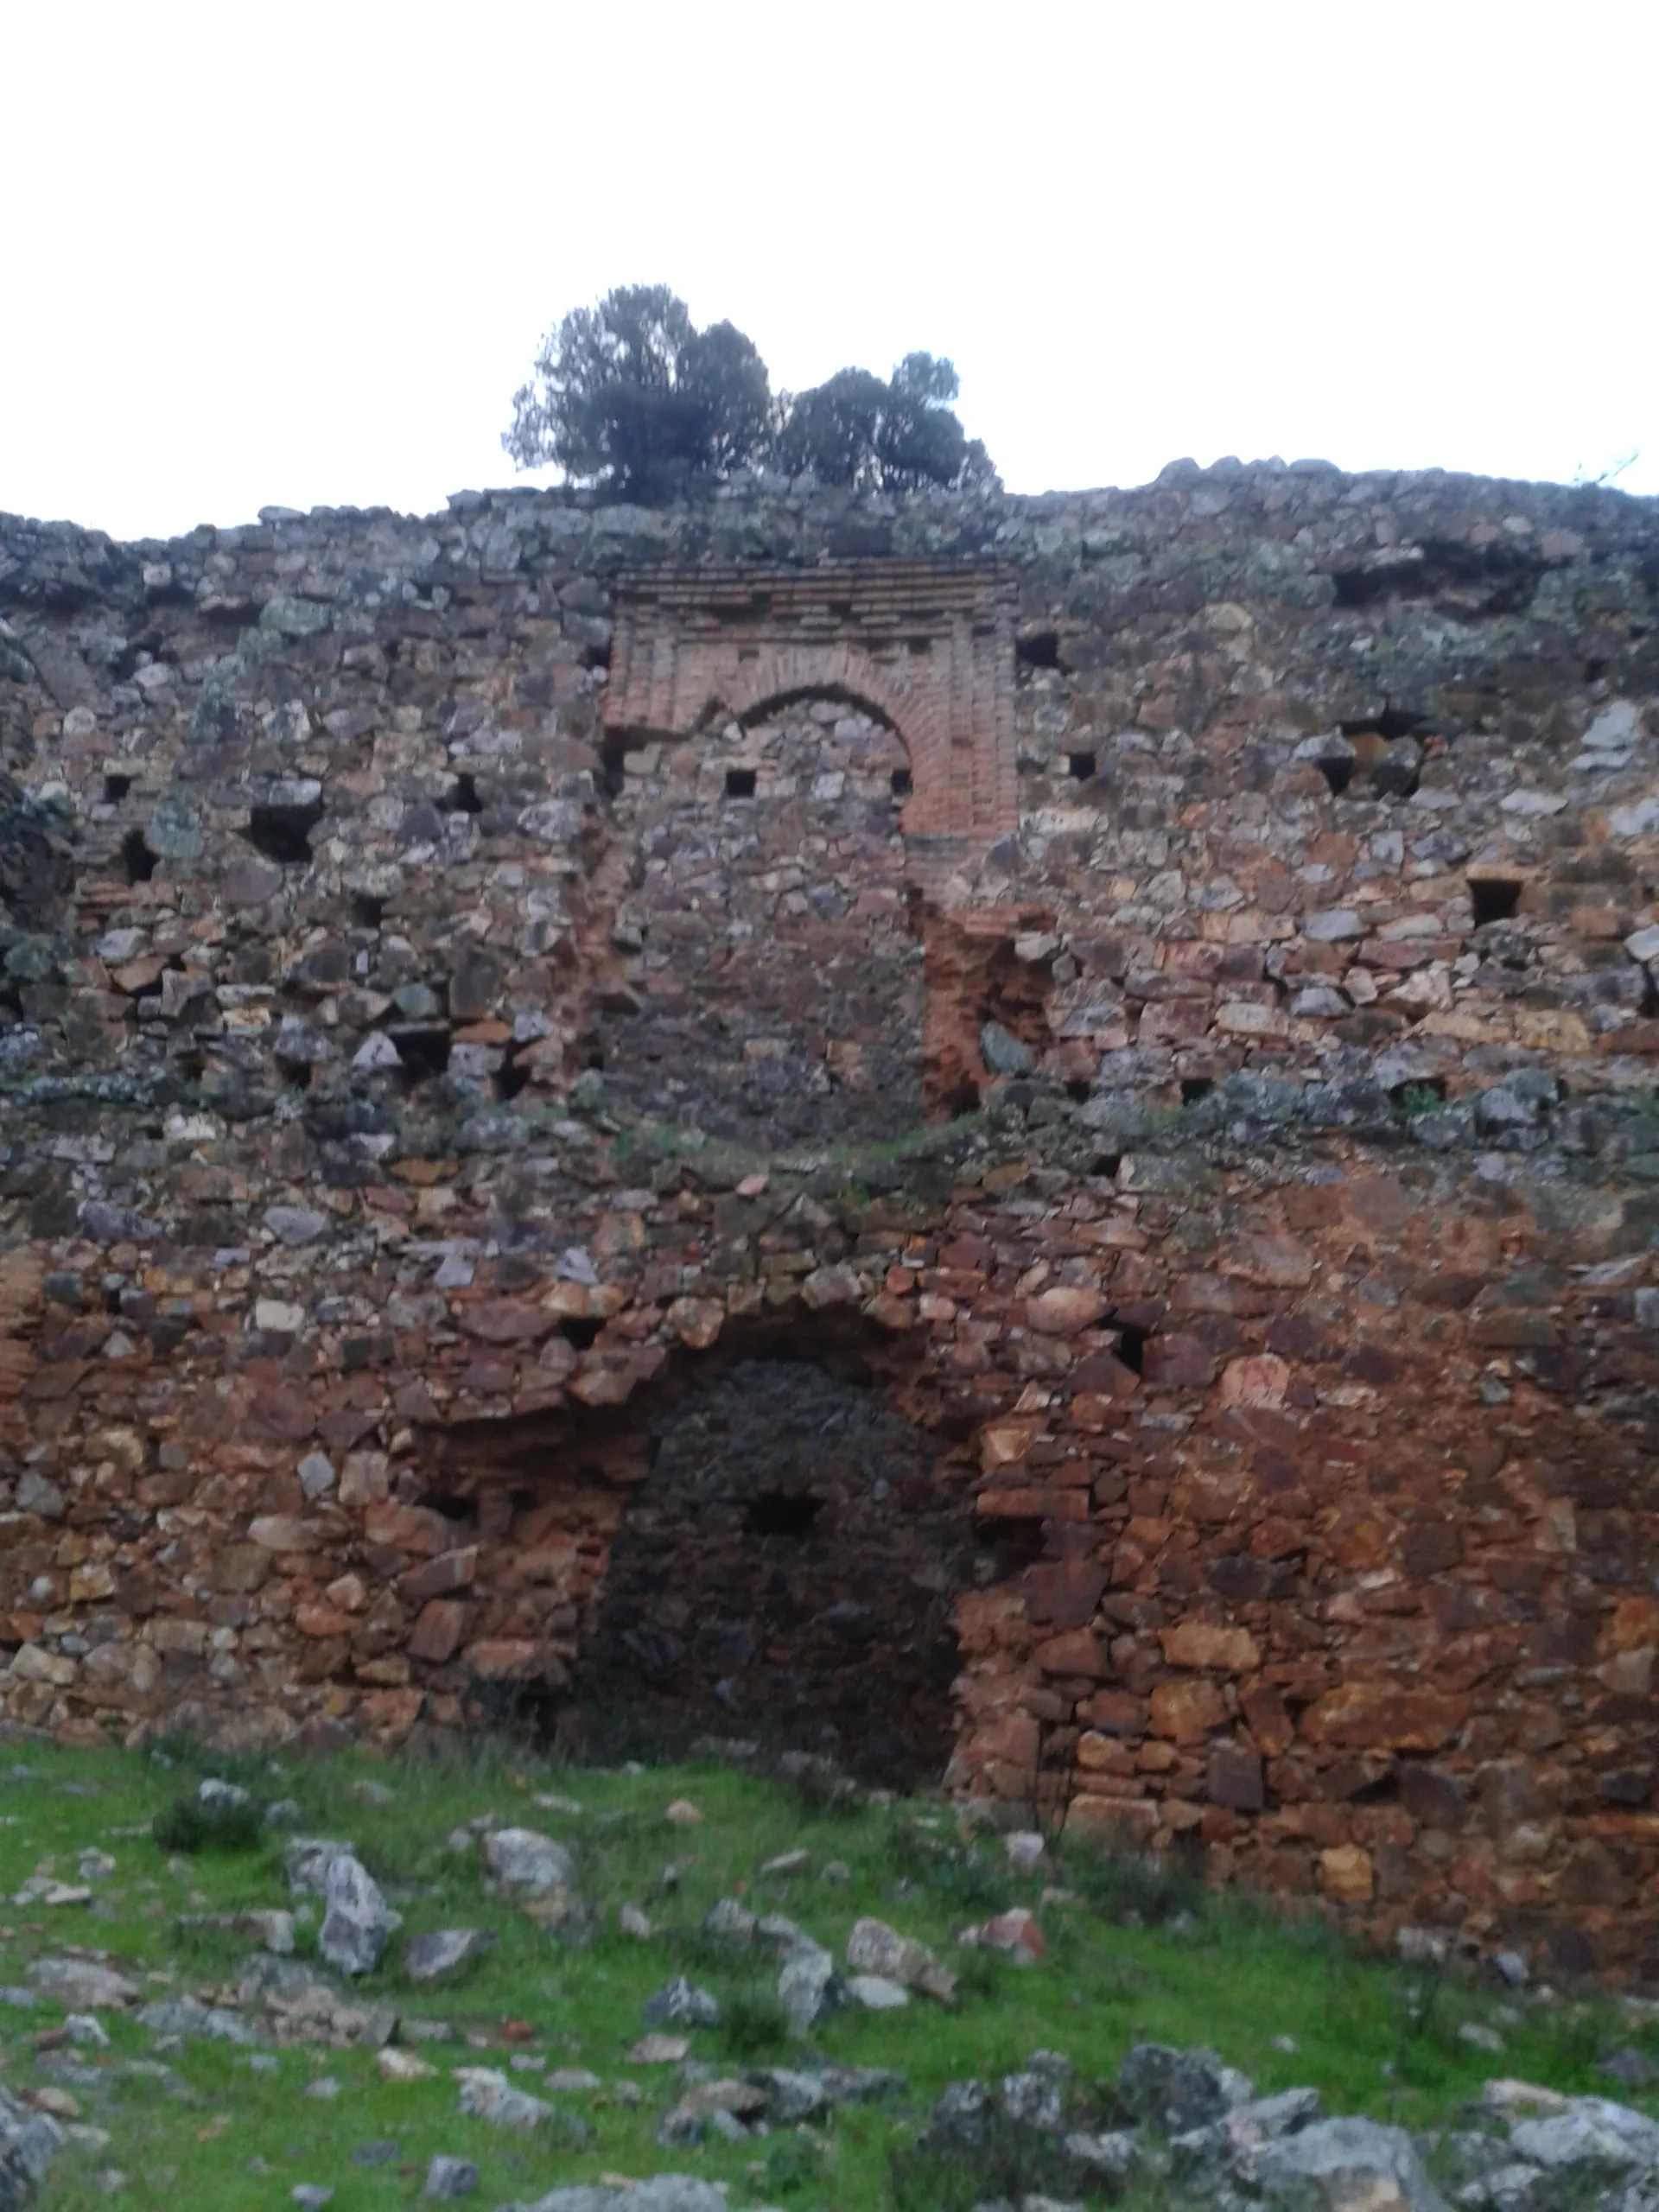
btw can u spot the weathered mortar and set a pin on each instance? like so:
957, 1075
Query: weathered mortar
1287, 844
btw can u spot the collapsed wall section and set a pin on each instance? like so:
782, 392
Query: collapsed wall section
416, 1055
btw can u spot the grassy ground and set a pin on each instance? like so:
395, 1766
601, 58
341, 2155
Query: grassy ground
212, 2132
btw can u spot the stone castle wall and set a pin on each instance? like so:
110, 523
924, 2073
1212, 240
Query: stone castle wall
1045, 1105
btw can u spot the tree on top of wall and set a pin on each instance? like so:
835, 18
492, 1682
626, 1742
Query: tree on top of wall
631, 396
896, 437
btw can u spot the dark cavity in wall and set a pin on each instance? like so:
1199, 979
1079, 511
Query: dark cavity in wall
283, 833
1494, 898
137, 857
785, 1572
1392, 722
1467, 580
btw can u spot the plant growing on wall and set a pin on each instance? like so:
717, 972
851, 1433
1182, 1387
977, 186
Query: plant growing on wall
895, 436
632, 398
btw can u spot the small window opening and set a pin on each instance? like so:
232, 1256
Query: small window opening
1339, 773
613, 760
1494, 897
137, 858
283, 833
423, 1051
596, 1061
1194, 1087
116, 789
510, 1080
366, 912
739, 783
1131, 1345
1421, 1095
462, 796
1038, 649
580, 1330
964, 1099
783, 1513
1012, 1544
1080, 765
1080, 1092
902, 784
298, 1074
1107, 1166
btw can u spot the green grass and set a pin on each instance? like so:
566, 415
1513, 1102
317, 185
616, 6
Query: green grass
1227, 1972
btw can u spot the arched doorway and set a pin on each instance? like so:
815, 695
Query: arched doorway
786, 1574
765, 980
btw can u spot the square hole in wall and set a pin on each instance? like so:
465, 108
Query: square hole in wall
1494, 898
902, 784
739, 783
1080, 765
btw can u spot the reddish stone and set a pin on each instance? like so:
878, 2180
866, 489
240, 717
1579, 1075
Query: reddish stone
1270, 1725
1364, 1716
1234, 1777
284, 1411
507, 1321
1077, 1652
1198, 1644
1177, 1361
453, 1570
437, 1634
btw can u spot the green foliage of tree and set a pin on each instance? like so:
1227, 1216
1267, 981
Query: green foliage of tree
896, 437
631, 396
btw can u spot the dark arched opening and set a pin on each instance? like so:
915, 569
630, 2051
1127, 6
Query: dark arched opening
786, 1575
766, 1544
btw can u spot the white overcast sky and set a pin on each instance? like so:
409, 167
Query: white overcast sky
301, 254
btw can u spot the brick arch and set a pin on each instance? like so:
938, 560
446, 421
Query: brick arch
929, 646
776, 678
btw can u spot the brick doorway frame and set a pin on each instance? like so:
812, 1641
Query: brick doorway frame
927, 645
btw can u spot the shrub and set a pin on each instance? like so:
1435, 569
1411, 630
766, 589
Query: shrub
1155, 1887
752, 2023
1011, 2163
793, 2162
186, 1824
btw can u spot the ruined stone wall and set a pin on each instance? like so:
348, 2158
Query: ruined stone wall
1146, 993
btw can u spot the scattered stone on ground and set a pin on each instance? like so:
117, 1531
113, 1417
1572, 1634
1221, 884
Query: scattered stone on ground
1014, 1934
358, 1923
184, 2017
443, 1952
682, 2004
449, 2177
395, 2065
306, 1860
526, 1864
82, 1983
659, 2050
